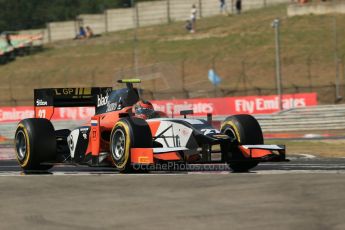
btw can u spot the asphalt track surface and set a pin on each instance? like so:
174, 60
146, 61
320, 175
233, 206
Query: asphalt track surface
305, 193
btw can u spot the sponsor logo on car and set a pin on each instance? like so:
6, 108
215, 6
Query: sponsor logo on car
104, 101
40, 102
73, 91
101, 101
84, 129
209, 131
94, 122
112, 106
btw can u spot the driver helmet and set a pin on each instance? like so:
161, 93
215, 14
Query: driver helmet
144, 109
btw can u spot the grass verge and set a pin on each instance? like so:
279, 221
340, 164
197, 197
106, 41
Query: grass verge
241, 48
320, 148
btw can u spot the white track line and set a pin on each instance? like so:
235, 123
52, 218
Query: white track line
307, 156
304, 165
297, 156
279, 172
263, 172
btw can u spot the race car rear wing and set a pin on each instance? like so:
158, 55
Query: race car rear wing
47, 99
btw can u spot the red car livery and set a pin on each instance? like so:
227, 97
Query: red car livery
116, 137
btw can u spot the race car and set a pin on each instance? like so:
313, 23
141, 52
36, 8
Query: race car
120, 137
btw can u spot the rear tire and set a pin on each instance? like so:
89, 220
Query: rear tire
128, 133
35, 143
246, 130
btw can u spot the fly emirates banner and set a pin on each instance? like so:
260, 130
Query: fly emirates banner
236, 105
201, 107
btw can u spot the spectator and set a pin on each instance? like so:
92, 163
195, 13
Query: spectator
193, 18
223, 7
8, 39
81, 34
89, 32
238, 6
188, 25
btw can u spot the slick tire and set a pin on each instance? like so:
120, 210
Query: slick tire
35, 143
128, 133
245, 130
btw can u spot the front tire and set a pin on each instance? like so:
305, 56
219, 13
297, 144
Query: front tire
35, 143
128, 133
245, 130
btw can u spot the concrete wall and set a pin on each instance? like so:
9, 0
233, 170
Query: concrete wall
316, 8
210, 8
180, 10
95, 21
275, 2
152, 13
44, 32
252, 4
119, 19
257, 4
61, 30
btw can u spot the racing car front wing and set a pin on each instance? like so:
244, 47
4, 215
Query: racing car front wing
259, 153
264, 152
